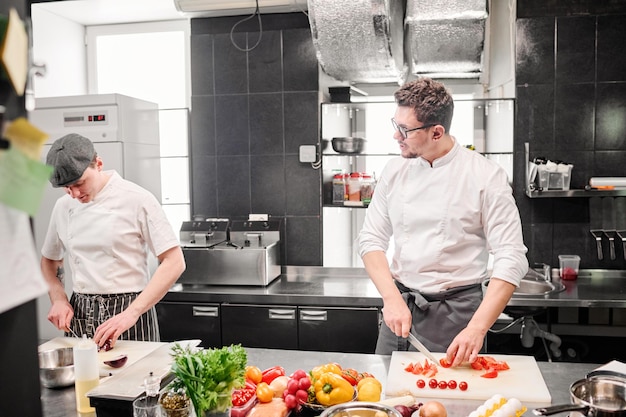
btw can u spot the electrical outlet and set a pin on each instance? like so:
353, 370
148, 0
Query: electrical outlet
308, 153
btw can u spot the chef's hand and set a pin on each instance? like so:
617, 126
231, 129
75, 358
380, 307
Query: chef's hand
111, 329
465, 346
60, 314
397, 317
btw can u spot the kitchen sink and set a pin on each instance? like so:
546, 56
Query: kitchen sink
532, 285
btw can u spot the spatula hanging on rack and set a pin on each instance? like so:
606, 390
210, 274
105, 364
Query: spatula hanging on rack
608, 224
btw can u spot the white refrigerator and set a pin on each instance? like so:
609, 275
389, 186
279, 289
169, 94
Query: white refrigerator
125, 132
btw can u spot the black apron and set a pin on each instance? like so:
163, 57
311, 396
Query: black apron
437, 318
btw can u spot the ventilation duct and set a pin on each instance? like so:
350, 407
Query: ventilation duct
445, 37
372, 41
359, 40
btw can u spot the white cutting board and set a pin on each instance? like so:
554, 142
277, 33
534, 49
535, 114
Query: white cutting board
523, 381
133, 349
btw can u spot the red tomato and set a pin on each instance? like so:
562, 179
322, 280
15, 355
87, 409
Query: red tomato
443, 384
420, 383
433, 383
445, 363
463, 386
491, 373
452, 384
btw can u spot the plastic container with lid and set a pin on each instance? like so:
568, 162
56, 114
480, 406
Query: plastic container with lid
339, 188
367, 188
86, 371
354, 187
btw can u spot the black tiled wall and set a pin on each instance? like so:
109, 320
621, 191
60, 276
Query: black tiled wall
251, 110
571, 106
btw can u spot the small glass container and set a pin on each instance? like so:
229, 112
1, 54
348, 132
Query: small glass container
354, 187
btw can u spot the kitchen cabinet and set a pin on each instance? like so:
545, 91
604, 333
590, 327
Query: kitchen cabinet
183, 320
333, 329
260, 326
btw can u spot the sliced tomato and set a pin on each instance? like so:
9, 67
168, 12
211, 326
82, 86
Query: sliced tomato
409, 367
429, 373
491, 373
477, 365
445, 362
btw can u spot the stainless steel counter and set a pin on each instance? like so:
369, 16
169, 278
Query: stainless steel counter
558, 377
352, 287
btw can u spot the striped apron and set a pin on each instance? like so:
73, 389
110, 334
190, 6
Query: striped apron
91, 310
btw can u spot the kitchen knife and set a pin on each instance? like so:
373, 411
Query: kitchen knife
595, 222
419, 346
608, 223
620, 221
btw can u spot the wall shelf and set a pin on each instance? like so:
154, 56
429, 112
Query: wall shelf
579, 193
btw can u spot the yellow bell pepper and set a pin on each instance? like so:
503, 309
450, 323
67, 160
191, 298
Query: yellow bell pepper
321, 369
331, 389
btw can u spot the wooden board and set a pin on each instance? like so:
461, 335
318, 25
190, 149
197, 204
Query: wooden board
523, 381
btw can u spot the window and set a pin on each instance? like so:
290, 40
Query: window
150, 61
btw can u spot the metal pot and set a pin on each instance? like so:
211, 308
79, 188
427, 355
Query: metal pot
348, 144
601, 396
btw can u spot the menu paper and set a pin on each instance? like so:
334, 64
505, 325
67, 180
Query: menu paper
14, 52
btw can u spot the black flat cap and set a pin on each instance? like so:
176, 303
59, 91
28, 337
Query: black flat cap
69, 156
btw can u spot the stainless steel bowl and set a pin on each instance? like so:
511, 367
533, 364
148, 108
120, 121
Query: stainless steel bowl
56, 367
361, 409
348, 144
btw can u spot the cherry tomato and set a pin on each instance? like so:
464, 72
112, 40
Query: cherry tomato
433, 383
452, 384
443, 384
420, 383
445, 363
264, 393
463, 386
254, 374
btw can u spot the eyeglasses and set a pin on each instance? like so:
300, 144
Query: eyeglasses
404, 132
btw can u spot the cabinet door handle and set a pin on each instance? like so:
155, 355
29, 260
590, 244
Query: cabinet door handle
282, 314
314, 315
204, 311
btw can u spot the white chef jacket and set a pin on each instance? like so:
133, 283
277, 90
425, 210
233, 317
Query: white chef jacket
107, 239
445, 219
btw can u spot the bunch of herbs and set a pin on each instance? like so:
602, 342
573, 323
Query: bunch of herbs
209, 376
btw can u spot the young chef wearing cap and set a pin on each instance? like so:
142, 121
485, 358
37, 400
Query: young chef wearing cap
104, 227
447, 208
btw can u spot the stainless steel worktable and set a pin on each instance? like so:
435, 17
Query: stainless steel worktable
352, 287
557, 375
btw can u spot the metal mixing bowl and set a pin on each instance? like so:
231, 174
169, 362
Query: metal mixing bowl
348, 145
361, 409
56, 367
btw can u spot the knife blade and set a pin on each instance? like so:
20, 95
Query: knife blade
419, 346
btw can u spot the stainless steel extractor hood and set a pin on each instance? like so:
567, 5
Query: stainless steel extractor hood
359, 41
376, 41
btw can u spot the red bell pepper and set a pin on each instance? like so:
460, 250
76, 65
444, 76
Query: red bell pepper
272, 373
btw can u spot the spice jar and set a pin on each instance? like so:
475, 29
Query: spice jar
367, 188
354, 187
339, 188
